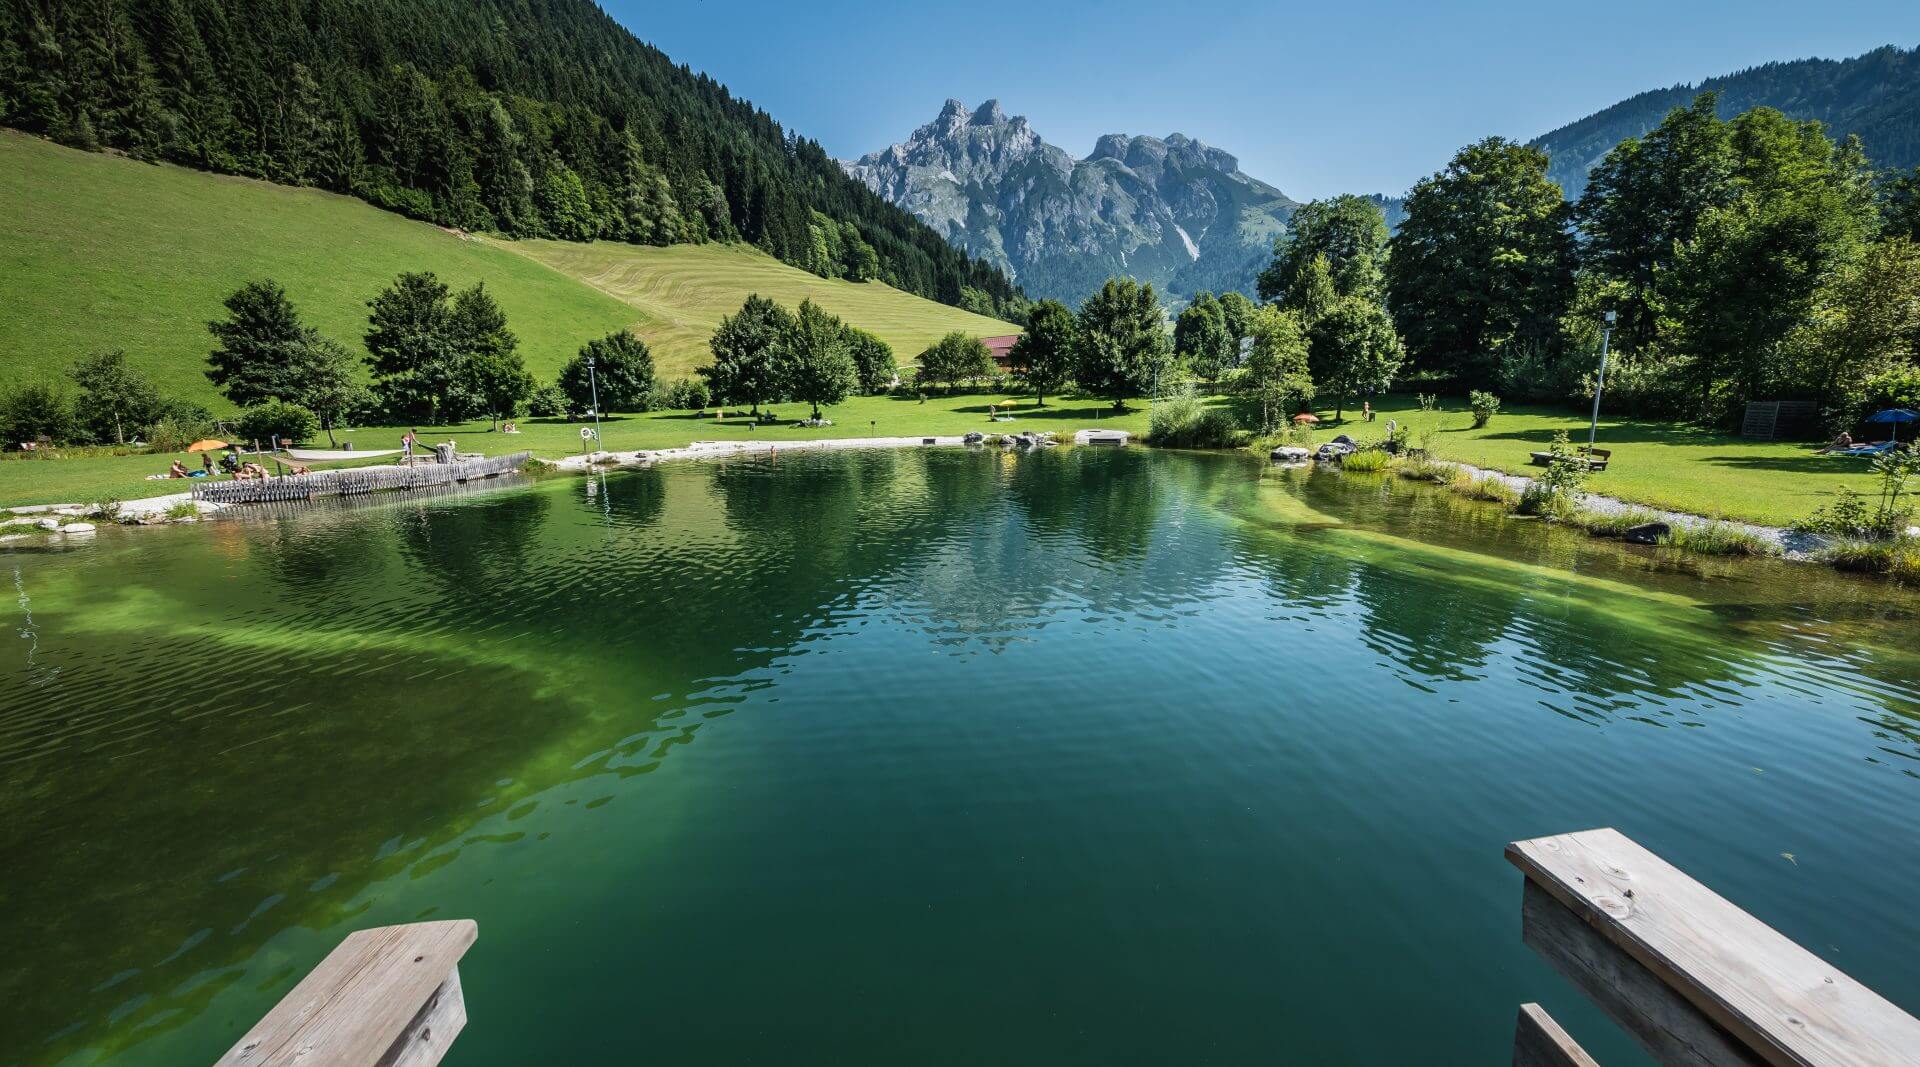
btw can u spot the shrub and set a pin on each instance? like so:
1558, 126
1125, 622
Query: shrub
276, 420
172, 433
1484, 406
1428, 401
1897, 557
1716, 538
185, 509
1367, 461
684, 394
1613, 523
1482, 487
548, 403
1184, 421
34, 410
1421, 466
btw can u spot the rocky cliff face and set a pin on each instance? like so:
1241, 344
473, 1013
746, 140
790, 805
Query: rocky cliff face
1172, 211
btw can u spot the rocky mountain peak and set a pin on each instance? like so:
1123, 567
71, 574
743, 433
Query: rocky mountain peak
1172, 211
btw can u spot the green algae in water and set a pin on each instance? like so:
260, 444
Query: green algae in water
1076, 756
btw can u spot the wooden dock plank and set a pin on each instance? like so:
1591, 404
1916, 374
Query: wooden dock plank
390, 995
1783, 1002
1538, 1041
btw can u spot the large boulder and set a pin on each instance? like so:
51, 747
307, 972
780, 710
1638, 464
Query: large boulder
1290, 454
1649, 533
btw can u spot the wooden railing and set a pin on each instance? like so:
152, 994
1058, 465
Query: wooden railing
387, 997
352, 481
1694, 979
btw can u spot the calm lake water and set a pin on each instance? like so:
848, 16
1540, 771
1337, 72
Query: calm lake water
919, 757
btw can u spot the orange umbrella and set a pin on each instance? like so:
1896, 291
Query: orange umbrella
208, 445
1306, 416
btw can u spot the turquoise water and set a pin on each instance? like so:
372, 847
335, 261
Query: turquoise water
919, 756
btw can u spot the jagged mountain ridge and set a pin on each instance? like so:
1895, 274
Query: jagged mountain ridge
1173, 211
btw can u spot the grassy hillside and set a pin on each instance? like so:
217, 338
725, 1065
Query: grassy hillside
682, 291
101, 252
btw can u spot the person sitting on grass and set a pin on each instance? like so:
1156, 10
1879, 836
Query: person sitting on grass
178, 470
1840, 443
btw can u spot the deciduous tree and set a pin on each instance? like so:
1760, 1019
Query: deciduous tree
1122, 342
1043, 356
748, 353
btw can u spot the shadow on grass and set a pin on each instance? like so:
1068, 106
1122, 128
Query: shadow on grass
1810, 464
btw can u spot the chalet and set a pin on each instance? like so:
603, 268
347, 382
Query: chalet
1002, 349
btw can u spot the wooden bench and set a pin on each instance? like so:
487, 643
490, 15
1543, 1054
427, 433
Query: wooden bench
389, 996
1692, 977
1597, 458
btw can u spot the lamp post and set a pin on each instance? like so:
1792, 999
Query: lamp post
1599, 383
593, 386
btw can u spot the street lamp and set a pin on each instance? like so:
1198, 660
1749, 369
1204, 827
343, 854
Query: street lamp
593, 385
1599, 383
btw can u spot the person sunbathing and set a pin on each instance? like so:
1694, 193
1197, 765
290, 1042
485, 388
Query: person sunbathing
1840, 443
177, 470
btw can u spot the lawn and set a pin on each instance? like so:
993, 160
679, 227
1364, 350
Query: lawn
101, 252
680, 293
84, 479
1654, 463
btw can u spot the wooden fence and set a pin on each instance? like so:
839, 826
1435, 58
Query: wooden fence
353, 481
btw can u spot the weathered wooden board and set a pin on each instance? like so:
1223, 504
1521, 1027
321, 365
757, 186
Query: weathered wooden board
1665, 1023
1538, 1041
389, 996
1784, 1003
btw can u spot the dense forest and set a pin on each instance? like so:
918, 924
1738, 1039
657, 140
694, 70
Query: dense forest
1875, 96
533, 118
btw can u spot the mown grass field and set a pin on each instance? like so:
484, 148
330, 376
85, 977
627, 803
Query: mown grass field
90, 478
1658, 464
99, 252
681, 292
1653, 463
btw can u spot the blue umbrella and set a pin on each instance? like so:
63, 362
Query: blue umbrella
1896, 416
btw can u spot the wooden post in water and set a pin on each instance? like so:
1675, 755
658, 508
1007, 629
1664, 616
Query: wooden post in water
1693, 978
389, 996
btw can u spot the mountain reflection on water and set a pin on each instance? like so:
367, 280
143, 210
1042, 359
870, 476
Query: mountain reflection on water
1142, 756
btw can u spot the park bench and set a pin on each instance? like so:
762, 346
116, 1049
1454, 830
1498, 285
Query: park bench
1596, 458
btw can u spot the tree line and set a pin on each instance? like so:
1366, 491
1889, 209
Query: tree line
532, 118
1751, 258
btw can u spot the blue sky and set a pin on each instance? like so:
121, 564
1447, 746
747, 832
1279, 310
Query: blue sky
1317, 99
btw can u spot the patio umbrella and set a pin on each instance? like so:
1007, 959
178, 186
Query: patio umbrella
1306, 416
208, 445
1894, 416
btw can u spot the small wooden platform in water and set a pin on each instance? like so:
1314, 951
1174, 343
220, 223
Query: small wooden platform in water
1692, 977
389, 996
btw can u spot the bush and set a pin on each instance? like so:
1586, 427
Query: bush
1428, 401
1484, 406
170, 434
683, 394
276, 420
1482, 487
1718, 538
1421, 466
1898, 557
1367, 461
31, 411
1614, 523
1183, 421
548, 403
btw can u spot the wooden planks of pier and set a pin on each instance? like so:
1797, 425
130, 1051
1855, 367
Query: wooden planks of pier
352, 481
389, 997
1696, 980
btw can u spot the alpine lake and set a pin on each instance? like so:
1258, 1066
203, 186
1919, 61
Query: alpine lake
933, 756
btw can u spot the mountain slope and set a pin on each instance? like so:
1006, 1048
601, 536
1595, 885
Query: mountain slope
1175, 212
1876, 95
100, 252
533, 118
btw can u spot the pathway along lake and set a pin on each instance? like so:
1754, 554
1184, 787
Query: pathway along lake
929, 756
